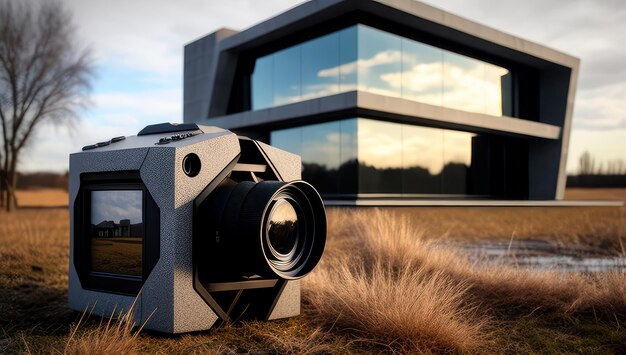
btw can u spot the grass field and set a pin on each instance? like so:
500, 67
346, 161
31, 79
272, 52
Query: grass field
42, 198
382, 286
119, 255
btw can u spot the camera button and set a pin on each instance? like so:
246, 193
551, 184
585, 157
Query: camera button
97, 145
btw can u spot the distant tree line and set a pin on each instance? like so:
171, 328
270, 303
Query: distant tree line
353, 177
591, 173
37, 180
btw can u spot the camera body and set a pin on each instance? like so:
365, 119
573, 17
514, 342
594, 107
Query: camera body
192, 224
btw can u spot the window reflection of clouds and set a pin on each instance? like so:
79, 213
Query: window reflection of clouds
428, 160
367, 59
422, 147
318, 55
380, 53
347, 55
496, 87
262, 83
458, 147
287, 80
348, 140
316, 144
115, 205
463, 83
288, 139
320, 144
380, 144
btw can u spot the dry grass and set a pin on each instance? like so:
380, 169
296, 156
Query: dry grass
601, 230
42, 198
377, 281
403, 310
385, 284
117, 335
376, 286
595, 194
121, 255
34, 252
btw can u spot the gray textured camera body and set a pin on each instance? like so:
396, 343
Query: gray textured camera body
174, 168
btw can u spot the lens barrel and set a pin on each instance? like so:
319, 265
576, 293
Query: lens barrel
269, 228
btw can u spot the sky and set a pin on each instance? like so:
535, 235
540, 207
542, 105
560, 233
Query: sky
137, 48
116, 205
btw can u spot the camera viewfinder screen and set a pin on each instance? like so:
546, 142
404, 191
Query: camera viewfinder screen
117, 231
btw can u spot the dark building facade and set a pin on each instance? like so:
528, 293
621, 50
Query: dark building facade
392, 100
108, 229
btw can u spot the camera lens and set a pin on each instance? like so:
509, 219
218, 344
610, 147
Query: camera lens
282, 229
269, 228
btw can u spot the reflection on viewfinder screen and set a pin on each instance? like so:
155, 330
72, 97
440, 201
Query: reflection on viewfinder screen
117, 231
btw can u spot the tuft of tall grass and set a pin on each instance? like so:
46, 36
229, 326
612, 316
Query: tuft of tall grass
405, 310
117, 335
376, 284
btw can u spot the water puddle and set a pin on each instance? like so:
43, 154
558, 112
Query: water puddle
542, 256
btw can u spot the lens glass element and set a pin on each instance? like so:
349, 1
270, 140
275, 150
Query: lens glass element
282, 227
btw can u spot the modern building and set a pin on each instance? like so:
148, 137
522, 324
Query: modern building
389, 101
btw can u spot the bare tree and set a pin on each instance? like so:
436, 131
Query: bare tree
586, 164
44, 77
1, 178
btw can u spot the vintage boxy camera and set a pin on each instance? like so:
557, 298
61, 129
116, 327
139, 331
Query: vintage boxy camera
194, 224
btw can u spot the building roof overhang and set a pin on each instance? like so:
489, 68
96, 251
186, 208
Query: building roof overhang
409, 13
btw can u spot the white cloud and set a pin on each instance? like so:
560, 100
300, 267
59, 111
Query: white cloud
115, 114
602, 108
148, 35
50, 147
381, 58
150, 103
116, 206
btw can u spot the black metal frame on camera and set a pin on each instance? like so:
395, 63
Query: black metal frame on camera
104, 281
220, 278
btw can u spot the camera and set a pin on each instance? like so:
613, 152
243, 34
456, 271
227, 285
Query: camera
193, 225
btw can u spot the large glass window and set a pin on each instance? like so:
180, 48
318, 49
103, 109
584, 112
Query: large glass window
328, 152
498, 91
463, 85
365, 156
380, 156
321, 155
262, 83
286, 79
379, 62
422, 72
288, 139
367, 59
457, 156
348, 57
422, 159
320, 67
349, 163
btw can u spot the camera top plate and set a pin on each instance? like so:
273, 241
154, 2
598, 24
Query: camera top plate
168, 134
